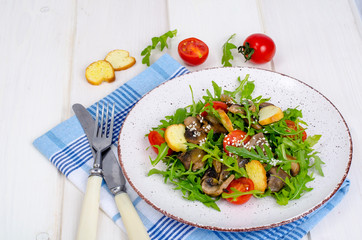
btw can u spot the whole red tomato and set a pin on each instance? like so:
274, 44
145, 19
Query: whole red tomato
258, 48
243, 185
193, 51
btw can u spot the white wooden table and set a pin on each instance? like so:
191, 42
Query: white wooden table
45, 47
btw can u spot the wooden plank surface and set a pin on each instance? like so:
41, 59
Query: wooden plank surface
35, 77
100, 28
324, 49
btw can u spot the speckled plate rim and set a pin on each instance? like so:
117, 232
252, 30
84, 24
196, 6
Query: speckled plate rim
249, 228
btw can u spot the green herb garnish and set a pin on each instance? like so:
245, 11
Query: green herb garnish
155, 41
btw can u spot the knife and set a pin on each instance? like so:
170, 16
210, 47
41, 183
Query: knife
115, 180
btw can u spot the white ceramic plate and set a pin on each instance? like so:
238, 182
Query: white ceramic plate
335, 149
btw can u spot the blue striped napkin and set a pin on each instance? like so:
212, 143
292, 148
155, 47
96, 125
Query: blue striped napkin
67, 147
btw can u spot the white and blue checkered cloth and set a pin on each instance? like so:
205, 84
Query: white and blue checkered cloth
67, 147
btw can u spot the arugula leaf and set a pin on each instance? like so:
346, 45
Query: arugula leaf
217, 90
293, 114
236, 193
318, 164
162, 153
179, 116
312, 140
155, 41
226, 50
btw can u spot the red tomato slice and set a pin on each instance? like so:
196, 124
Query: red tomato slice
235, 138
193, 51
264, 48
292, 126
243, 185
155, 138
216, 105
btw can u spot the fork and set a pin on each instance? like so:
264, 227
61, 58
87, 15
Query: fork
87, 229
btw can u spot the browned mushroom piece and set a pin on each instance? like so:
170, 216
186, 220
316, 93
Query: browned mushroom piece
252, 106
275, 182
211, 123
193, 156
294, 166
195, 137
265, 104
212, 185
217, 166
254, 125
227, 99
242, 161
257, 140
237, 109
193, 133
224, 174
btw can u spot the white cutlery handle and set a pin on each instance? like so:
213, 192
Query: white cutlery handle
134, 226
87, 229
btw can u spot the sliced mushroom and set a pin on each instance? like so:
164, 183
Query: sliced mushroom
211, 123
252, 106
192, 123
193, 156
294, 166
195, 137
253, 125
242, 161
227, 99
264, 104
224, 174
275, 182
257, 140
194, 134
212, 186
236, 108
217, 166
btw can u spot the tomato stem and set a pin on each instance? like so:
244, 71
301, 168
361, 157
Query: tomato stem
246, 50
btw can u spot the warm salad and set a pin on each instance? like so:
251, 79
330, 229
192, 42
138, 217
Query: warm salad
233, 146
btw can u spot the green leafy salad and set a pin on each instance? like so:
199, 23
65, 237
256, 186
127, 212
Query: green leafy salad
231, 145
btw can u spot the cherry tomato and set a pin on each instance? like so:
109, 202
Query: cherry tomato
243, 185
216, 105
155, 138
235, 138
263, 48
292, 126
193, 51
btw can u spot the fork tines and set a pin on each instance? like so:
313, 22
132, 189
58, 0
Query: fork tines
106, 123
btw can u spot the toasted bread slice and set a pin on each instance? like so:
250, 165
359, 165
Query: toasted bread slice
175, 137
257, 174
100, 71
270, 114
120, 59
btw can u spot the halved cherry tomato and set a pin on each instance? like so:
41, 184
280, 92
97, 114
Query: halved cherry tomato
155, 138
193, 51
292, 126
216, 105
235, 138
258, 48
243, 185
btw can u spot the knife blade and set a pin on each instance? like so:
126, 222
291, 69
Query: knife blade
115, 180
111, 170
